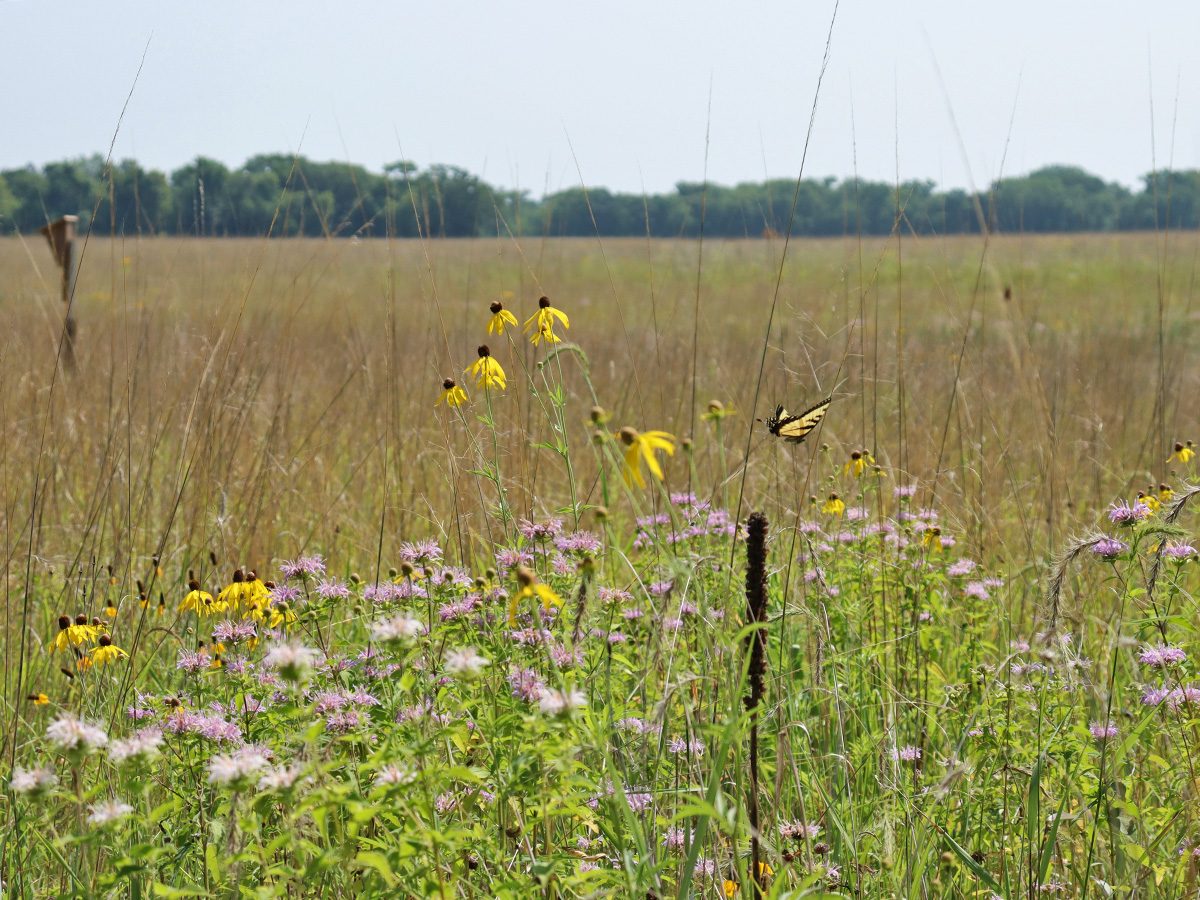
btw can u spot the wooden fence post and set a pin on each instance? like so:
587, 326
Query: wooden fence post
61, 236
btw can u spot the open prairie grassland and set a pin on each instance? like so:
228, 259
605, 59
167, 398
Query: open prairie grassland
278, 625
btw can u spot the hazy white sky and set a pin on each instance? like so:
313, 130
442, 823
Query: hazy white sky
506, 89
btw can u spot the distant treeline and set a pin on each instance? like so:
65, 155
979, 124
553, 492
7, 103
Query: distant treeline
291, 196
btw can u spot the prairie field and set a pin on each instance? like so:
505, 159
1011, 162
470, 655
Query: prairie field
341, 634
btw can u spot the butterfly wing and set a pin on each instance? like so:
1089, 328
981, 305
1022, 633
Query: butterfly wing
795, 429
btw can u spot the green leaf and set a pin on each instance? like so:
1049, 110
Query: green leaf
975, 868
373, 859
189, 890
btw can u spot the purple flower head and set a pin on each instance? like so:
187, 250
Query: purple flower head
1102, 730
580, 542
420, 551
904, 490
193, 661
960, 568
977, 590
510, 558
906, 754
613, 595
284, 593
676, 838
658, 588
333, 590
1161, 656
631, 613
536, 531
1109, 548
526, 685
681, 499
857, 513
693, 746
1125, 516
1179, 550
304, 567
810, 528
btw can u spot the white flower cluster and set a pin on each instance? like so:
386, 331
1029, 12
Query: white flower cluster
32, 781
141, 746
554, 702
465, 664
292, 660
229, 768
401, 629
103, 813
71, 733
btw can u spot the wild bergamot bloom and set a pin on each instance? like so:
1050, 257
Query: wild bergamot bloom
452, 394
834, 506
858, 462
106, 652
501, 318
541, 323
1182, 453
531, 588
641, 446
74, 634
486, 371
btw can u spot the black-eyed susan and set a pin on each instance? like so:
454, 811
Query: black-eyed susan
74, 634
834, 506
501, 319
452, 394
858, 462
106, 651
530, 587
486, 371
541, 323
641, 446
1183, 453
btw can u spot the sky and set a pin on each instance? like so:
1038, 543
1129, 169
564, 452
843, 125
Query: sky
627, 94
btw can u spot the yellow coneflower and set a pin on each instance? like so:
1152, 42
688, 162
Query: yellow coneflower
858, 462
501, 318
110, 610
74, 634
106, 652
1165, 493
281, 614
452, 394
731, 888
530, 587
38, 699
486, 371
641, 446
932, 539
233, 595
201, 602
1182, 453
834, 506
1149, 500
541, 323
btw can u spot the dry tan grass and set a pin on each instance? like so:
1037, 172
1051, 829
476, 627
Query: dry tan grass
262, 399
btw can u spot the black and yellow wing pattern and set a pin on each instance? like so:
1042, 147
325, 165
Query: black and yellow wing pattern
795, 429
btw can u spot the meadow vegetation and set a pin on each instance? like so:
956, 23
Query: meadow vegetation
326, 578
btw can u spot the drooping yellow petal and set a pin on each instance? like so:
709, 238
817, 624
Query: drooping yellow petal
648, 455
633, 466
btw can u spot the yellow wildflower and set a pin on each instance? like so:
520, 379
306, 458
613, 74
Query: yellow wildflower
1165, 493
452, 394
106, 652
858, 462
641, 447
501, 318
486, 371
932, 539
1182, 453
281, 614
201, 602
731, 888
834, 506
542, 322
74, 634
110, 610
530, 588
1149, 500
38, 699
